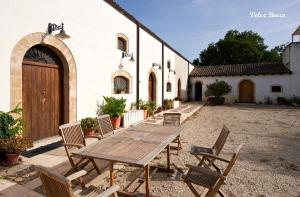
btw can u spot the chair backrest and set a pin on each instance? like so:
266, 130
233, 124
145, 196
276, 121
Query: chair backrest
55, 185
172, 119
105, 125
233, 160
219, 144
72, 133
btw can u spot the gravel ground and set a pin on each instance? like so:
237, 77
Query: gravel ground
269, 164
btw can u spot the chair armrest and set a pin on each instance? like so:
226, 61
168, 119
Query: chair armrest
75, 145
214, 157
94, 136
76, 175
109, 191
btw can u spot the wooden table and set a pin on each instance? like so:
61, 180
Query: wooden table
137, 146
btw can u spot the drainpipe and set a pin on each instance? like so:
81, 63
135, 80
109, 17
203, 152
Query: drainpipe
162, 70
137, 64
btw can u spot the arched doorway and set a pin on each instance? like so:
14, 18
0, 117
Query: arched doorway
152, 87
198, 91
179, 88
42, 92
246, 91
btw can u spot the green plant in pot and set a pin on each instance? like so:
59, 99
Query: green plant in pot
12, 142
142, 106
89, 125
13, 146
114, 107
216, 91
151, 107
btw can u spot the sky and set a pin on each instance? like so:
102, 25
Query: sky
190, 25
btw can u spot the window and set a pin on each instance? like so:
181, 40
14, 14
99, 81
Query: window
121, 85
276, 89
169, 65
122, 42
169, 87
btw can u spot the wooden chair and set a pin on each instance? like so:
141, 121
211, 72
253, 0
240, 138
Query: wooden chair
203, 154
174, 120
56, 185
105, 126
73, 137
209, 179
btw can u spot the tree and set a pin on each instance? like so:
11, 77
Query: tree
238, 48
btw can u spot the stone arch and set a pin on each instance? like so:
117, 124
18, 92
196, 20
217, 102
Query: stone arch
69, 67
121, 73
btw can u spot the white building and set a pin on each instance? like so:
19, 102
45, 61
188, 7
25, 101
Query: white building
60, 80
253, 82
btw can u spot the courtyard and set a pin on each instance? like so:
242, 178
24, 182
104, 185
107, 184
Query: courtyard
269, 164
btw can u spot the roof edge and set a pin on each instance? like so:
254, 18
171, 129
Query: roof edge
121, 10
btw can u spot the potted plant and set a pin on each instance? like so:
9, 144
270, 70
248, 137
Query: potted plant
89, 125
216, 91
12, 142
151, 107
168, 104
114, 107
143, 106
13, 146
177, 102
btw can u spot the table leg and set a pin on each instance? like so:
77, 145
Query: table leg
111, 173
168, 157
147, 177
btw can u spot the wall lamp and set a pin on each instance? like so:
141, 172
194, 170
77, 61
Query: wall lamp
53, 27
156, 65
125, 54
172, 71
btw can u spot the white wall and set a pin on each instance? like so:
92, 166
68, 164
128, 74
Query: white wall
150, 52
291, 58
262, 86
181, 67
93, 26
169, 76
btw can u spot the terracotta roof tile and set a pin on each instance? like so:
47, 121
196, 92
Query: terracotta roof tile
241, 69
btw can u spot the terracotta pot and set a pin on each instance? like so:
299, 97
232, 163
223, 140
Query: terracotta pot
145, 114
12, 159
116, 122
89, 132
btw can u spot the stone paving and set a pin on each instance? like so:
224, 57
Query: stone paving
23, 180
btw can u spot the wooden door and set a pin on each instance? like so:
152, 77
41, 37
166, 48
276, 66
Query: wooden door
179, 88
246, 92
151, 87
198, 91
42, 99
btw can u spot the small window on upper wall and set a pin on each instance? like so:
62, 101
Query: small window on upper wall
169, 65
169, 87
276, 89
122, 43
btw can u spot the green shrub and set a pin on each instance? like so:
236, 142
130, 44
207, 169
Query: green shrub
177, 98
283, 101
88, 123
295, 100
217, 89
168, 104
15, 144
11, 123
112, 106
151, 107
